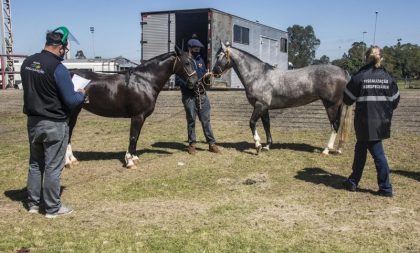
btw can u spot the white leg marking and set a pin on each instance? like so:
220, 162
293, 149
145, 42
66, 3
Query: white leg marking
72, 158
129, 160
67, 163
330, 144
257, 139
136, 159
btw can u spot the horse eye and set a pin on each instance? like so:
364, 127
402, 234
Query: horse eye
187, 63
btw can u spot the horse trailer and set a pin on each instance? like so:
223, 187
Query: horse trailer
162, 30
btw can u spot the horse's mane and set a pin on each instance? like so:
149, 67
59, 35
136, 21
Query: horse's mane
153, 60
266, 65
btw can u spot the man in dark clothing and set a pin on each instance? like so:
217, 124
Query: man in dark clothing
376, 95
196, 101
49, 97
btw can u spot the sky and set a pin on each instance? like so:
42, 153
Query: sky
337, 23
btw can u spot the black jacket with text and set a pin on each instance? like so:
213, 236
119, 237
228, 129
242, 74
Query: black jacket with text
376, 95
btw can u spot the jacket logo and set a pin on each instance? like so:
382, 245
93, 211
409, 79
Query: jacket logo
35, 67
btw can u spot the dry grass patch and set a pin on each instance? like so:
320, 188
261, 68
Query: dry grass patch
289, 199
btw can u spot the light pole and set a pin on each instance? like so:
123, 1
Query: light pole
374, 33
92, 30
363, 37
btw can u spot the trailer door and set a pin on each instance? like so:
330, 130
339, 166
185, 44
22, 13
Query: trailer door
269, 50
158, 34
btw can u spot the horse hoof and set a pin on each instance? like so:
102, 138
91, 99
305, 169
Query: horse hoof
130, 164
133, 166
266, 148
259, 148
75, 162
68, 165
136, 161
325, 152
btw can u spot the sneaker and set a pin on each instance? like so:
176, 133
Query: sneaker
62, 211
350, 186
191, 149
33, 209
213, 148
383, 193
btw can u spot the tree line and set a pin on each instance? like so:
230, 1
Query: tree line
402, 60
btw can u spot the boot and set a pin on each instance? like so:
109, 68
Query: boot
213, 148
191, 149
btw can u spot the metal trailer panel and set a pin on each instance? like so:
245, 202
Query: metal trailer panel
158, 34
264, 42
221, 30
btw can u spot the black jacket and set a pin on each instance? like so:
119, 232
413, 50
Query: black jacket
376, 95
41, 96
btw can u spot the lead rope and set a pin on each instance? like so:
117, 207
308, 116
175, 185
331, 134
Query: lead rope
202, 82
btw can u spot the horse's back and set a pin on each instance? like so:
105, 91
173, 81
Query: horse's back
305, 85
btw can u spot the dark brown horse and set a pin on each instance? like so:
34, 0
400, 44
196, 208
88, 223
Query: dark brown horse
267, 88
131, 94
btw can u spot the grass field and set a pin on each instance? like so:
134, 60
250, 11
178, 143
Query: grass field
415, 84
286, 200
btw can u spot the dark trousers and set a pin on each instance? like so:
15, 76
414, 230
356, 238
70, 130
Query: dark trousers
48, 143
192, 109
376, 149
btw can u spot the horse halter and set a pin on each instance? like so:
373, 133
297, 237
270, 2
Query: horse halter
185, 70
227, 54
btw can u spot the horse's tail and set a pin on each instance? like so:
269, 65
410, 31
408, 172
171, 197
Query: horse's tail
346, 122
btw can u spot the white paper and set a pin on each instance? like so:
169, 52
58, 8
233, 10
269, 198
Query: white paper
79, 82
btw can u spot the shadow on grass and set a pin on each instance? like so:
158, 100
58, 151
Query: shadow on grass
321, 176
97, 155
410, 174
172, 145
21, 195
243, 146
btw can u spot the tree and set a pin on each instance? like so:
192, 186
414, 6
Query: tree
322, 60
303, 44
402, 60
354, 59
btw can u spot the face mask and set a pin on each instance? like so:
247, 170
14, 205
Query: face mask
62, 52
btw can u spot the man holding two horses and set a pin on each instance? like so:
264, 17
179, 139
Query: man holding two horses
196, 101
49, 97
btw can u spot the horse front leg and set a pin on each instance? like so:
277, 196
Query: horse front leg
259, 109
265, 118
131, 158
70, 159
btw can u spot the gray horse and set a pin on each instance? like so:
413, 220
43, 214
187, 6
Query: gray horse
269, 88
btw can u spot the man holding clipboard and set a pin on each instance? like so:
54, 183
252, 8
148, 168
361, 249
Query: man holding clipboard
49, 97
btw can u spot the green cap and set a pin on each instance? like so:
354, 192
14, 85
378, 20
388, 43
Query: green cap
67, 35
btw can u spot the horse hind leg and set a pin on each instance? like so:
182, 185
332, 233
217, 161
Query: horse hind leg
333, 112
330, 144
265, 118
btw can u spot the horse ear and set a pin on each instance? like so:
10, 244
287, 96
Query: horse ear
223, 45
178, 50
